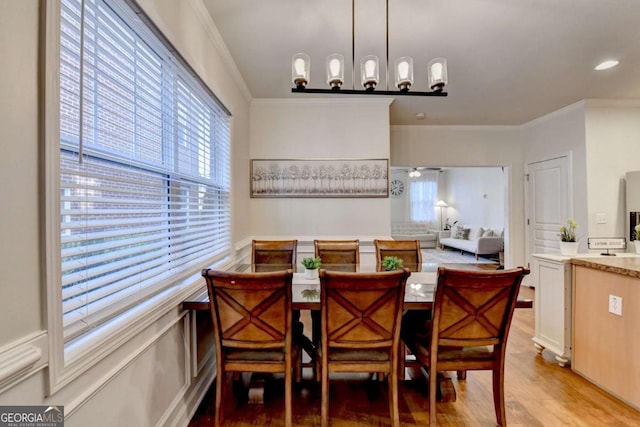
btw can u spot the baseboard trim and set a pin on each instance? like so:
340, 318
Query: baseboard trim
22, 358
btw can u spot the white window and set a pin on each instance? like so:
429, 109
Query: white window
423, 193
144, 167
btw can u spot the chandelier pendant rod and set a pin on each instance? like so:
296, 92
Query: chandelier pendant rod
386, 15
353, 44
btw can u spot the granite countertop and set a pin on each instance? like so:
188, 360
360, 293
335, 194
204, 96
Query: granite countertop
628, 266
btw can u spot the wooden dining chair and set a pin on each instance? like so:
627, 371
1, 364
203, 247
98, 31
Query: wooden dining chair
361, 328
338, 252
281, 252
251, 315
335, 255
411, 255
407, 250
472, 312
267, 255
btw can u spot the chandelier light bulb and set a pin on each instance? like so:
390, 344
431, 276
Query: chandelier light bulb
437, 74
334, 65
300, 70
335, 71
404, 73
403, 70
299, 65
370, 74
370, 68
436, 70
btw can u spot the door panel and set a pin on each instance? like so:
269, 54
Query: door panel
548, 204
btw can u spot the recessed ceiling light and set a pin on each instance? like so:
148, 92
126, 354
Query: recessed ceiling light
606, 65
420, 116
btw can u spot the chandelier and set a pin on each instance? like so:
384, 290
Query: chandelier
369, 71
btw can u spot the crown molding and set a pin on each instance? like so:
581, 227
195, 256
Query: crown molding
613, 103
214, 35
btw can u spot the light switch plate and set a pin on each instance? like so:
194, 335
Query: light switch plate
601, 218
615, 305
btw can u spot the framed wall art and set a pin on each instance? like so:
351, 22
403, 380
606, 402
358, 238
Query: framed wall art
319, 177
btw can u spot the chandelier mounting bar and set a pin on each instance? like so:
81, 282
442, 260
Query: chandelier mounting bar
366, 92
369, 71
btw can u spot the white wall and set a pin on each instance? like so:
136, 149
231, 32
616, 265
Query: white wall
21, 309
612, 150
556, 134
320, 129
475, 196
441, 146
603, 139
146, 381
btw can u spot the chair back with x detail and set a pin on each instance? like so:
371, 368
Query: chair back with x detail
251, 315
472, 313
361, 315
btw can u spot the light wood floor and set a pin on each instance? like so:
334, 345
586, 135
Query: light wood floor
538, 393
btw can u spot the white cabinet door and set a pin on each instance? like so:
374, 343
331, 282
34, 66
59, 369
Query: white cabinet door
553, 306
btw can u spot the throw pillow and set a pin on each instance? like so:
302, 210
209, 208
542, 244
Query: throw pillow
488, 233
462, 233
480, 232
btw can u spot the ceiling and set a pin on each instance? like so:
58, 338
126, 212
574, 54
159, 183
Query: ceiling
509, 61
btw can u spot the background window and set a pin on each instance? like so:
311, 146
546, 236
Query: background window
423, 195
144, 166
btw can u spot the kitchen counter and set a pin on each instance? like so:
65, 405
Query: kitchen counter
628, 265
606, 315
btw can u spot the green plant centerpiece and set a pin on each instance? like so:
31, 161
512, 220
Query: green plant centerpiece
311, 263
391, 263
311, 266
568, 232
568, 241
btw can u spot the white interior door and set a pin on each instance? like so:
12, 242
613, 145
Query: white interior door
548, 205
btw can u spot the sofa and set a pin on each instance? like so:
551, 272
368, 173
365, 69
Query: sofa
479, 240
414, 231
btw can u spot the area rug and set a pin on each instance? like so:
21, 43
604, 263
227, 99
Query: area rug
451, 256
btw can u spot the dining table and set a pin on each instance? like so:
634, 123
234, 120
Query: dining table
305, 295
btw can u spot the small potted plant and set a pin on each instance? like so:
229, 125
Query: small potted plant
568, 242
391, 263
449, 225
311, 266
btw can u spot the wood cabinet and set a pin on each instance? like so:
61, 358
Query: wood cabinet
606, 345
552, 305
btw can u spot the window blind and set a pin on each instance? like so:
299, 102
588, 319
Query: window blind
144, 166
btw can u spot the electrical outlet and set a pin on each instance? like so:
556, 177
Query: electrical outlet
601, 218
615, 305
